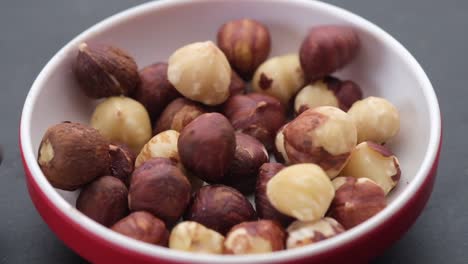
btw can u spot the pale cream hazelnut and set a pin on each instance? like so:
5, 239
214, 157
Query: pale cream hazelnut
314, 95
309, 232
163, 145
279, 146
194, 237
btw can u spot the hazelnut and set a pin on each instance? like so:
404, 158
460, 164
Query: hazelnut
263, 236
124, 120
246, 43
194, 237
200, 72
302, 191
309, 232
376, 162
122, 162
207, 146
323, 135
237, 85
104, 200
265, 209
280, 77
376, 119
103, 71
279, 151
143, 226
327, 48
249, 156
219, 207
163, 145
178, 114
356, 200
257, 115
158, 186
329, 91
155, 91
72, 155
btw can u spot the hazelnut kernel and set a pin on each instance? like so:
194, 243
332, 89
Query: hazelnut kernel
163, 145
177, 115
194, 237
280, 152
305, 233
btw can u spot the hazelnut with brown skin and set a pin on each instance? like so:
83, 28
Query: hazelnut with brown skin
305, 233
237, 85
178, 114
158, 186
103, 71
104, 200
246, 43
356, 200
196, 238
263, 236
155, 91
72, 155
326, 49
257, 115
122, 162
219, 207
143, 226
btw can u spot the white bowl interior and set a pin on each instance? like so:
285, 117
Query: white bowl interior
153, 31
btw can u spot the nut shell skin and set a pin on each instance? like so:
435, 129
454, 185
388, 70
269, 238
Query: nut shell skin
122, 162
159, 187
326, 49
220, 207
194, 237
143, 226
263, 236
305, 233
279, 151
246, 44
103, 71
72, 155
237, 85
207, 146
104, 200
177, 115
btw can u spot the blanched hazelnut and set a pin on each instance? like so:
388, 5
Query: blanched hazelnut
246, 43
122, 162
159, 187
305, 233
329, 91
178, 114
200, 72
323, 135
143, 226
376, 119
279, 151
356, 200
163, 145
104, 200
376, 162
207, 146
257, 115
219, 207
280, 77
122, 119
194, 237
263, 236
72, 155
302, 191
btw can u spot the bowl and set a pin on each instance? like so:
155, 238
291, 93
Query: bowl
151, 32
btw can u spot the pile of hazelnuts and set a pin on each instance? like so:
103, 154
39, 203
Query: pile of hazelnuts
172, 150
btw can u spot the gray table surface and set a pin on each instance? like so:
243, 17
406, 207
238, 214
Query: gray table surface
434, 31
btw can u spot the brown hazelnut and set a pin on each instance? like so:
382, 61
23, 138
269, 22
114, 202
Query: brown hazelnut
376, 119
280, 77
302, 191
72, 155
329, 91
237, 85
376, 162
104, 200
143, 226
305, 233
257, 115
103, 71
249, 156
265, 209
263, 236
158, 186
200, 72
323, 135
122, 162
327, 48
155, 91
356, 200
122, 119
279, 151
246, 43
194, 237
219, 207
178, 114
207, 146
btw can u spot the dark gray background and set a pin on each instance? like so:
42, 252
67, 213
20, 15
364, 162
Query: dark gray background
434, 31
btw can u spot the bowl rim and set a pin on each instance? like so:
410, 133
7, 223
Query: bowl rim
118, 240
